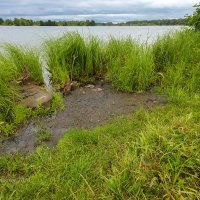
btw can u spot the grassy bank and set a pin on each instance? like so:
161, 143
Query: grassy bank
177, 62
130, 66
16, 62
24, 59
126, 63
151, 155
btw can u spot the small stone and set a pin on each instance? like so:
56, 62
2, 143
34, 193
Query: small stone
33, 96
90, 86
97, 90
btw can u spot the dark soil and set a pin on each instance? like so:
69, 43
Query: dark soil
85, 107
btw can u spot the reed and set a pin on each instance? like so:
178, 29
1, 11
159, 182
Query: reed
73, 57
15, 61
25, 59
177, 59
130, 65
8, 91
124, 62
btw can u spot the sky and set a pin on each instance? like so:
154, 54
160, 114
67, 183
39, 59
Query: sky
98, 10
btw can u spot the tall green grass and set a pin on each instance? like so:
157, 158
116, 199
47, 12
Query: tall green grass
172, 62
130, 65
15, 61
73, 57
123, 61
7, 90
177, 60
25, 59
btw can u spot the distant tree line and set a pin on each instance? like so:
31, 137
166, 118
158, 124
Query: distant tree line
29, 22
167, 22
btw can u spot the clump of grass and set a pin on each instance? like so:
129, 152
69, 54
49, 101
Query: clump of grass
13, 61
175, 47
95, 57
73, 57
8, 91
43, 134
56, 61
25, 59
130, 65
177, 58
21, 113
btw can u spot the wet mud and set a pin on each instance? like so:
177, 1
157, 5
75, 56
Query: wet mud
86, 107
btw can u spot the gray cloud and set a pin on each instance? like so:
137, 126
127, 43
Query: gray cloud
99, 10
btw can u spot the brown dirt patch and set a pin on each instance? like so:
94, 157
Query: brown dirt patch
85, 107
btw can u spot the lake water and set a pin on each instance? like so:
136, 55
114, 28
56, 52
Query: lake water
34, 35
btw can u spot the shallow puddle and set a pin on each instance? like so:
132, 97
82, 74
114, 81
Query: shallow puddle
85, 107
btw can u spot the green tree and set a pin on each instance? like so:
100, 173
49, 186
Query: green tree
194, 20
8, 22
16, 22
1, 21
50, 23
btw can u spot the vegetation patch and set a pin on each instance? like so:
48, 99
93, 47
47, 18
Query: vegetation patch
72, 57
19, 66
43, 135
150, 155
130, 65
177, 62
29, 22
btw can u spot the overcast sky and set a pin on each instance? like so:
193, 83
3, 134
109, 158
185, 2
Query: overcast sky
98, 10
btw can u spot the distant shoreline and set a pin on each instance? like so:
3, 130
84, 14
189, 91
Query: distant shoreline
29, 22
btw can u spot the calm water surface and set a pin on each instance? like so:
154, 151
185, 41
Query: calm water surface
34, 35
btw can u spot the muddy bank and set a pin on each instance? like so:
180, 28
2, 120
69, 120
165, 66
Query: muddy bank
85, 107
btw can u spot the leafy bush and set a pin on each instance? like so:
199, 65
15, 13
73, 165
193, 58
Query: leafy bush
194, 20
